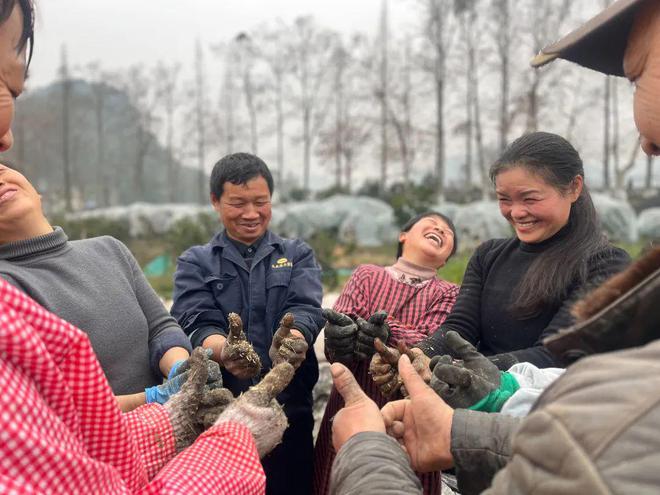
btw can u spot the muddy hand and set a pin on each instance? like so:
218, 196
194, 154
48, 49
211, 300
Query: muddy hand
368, 330
183, 406
383, 369
340, 333
286, 346
238, 355
258, 410
213, 403
214, 379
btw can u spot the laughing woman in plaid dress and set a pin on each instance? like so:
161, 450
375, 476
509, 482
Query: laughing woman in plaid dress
416, 301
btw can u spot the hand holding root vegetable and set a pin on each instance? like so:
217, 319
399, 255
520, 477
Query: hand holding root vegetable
287, 346
259, 411
383, 366
238, 355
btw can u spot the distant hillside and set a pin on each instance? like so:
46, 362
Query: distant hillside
38, 150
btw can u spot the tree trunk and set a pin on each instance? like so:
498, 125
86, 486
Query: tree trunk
383, 97
66, 103
280, 128
606, 134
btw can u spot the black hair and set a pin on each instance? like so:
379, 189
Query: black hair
548, 279
238, 169
27, 35
410, 224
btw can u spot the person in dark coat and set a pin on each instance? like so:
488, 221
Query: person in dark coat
248, 270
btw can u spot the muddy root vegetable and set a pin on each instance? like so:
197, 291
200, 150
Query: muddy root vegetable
286, 347
238, 355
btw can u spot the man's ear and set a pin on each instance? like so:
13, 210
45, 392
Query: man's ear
215, 201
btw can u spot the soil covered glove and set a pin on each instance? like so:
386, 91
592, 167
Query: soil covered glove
214, 379
184, 405
472, 382
287, 347
368, 330
259, 411
238, 356
340, 335
176, 378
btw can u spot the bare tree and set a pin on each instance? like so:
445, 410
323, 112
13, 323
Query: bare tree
439, 36
621, 172
100, 94
606, 132
66, 107
383, 92
139, 86
400, 106
200, 121
311, 49
343, 139
543, 21
504, 34
167, 85
247, 56
272, 50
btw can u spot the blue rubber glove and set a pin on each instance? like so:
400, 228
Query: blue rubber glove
174, 368
162, 393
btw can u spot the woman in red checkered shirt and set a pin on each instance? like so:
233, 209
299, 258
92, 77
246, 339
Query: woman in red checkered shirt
61, 430
416, 300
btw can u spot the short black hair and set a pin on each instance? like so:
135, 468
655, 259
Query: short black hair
410, 223
238, 169
27, 35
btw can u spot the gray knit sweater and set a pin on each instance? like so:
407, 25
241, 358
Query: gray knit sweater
98, 286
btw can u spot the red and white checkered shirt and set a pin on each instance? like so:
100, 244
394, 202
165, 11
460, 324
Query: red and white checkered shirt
61, 430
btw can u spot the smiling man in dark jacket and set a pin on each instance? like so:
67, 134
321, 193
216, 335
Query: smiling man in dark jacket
248, 270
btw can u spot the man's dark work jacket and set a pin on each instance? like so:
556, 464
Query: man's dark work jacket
213, 280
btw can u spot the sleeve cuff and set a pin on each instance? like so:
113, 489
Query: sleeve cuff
481, 446
309, 336
200, 334
163, 343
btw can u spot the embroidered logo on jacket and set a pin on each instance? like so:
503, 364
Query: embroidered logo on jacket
282, 263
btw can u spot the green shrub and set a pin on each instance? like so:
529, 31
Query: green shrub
94, 227
189, 232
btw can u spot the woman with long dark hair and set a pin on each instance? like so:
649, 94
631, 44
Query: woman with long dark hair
518, 291
416, 301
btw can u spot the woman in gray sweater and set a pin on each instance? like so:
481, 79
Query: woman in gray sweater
95, 284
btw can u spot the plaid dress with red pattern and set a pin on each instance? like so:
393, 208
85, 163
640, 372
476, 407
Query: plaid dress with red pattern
61, 430
414, 312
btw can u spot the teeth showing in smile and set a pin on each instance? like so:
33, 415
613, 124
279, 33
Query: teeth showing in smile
435, 238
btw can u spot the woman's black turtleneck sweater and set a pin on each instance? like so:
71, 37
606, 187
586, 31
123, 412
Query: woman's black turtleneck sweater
481, 314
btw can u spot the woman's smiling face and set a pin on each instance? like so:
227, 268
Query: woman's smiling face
12, 73
536, 210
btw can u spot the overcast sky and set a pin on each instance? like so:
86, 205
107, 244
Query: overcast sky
120, 33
